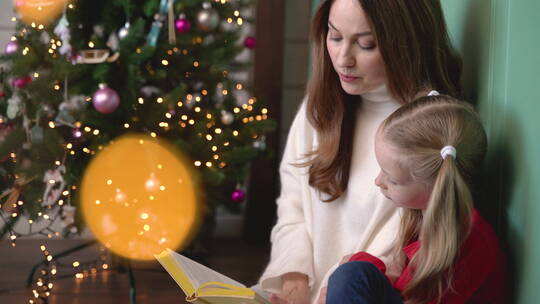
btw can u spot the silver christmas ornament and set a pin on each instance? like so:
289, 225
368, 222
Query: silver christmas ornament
260, 144
207, 19
124, 31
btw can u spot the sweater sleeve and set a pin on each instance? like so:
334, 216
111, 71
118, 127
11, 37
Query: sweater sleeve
292, 249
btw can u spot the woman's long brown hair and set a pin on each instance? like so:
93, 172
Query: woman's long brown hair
414, 44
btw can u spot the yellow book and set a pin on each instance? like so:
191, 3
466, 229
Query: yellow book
204, 285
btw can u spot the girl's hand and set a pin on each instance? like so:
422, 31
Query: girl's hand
322, 296
295, 290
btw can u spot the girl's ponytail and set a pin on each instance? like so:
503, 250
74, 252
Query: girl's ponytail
445, 226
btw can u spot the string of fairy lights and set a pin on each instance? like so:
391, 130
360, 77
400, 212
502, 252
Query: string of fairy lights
43, 285
188, 111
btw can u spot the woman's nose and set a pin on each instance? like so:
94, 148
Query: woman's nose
346, 60
379, 181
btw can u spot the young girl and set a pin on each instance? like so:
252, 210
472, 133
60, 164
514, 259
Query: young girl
429, 152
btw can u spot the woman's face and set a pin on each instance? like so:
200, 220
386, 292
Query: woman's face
352, 48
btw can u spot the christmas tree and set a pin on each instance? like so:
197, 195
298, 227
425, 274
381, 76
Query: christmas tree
105, 68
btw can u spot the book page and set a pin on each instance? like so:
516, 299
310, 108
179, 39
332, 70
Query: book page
168, 261
199, 274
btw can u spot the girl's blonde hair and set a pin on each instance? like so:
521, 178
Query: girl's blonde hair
419, 130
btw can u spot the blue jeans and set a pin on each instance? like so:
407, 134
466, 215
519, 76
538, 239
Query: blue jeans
360, 283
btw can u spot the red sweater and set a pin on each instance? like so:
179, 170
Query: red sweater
478, 273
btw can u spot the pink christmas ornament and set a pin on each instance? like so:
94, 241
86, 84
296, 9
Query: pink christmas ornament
250, 42
182, 25
238, 196
21, 82
11, 47
105, 99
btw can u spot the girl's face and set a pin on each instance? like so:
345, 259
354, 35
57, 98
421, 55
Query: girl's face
396, 182
352, 48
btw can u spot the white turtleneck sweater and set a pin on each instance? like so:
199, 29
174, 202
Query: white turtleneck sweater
310, 236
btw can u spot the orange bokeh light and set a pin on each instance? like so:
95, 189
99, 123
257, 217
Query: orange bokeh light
138, 198
39, 11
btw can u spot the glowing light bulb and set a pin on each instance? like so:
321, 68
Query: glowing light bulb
151, 184
120, 196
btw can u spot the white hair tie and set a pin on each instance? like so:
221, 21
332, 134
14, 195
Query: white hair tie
448, 150
433, 93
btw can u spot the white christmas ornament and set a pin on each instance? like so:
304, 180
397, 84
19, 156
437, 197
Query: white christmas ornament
14, 106
62, 31
55, 184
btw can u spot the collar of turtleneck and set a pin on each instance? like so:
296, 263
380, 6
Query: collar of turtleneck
378, 98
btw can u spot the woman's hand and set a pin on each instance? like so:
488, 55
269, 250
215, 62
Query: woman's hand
294, 290
322, 296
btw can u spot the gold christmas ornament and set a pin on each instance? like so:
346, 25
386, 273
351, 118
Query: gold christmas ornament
39, 11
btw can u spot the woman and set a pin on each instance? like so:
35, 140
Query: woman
370, 57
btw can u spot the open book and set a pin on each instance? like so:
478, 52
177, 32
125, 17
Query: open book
204, 285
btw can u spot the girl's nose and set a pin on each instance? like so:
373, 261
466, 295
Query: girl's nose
379, 181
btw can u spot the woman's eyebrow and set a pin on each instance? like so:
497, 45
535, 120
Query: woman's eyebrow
355, 34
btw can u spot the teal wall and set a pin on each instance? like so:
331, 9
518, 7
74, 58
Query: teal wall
500, 45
